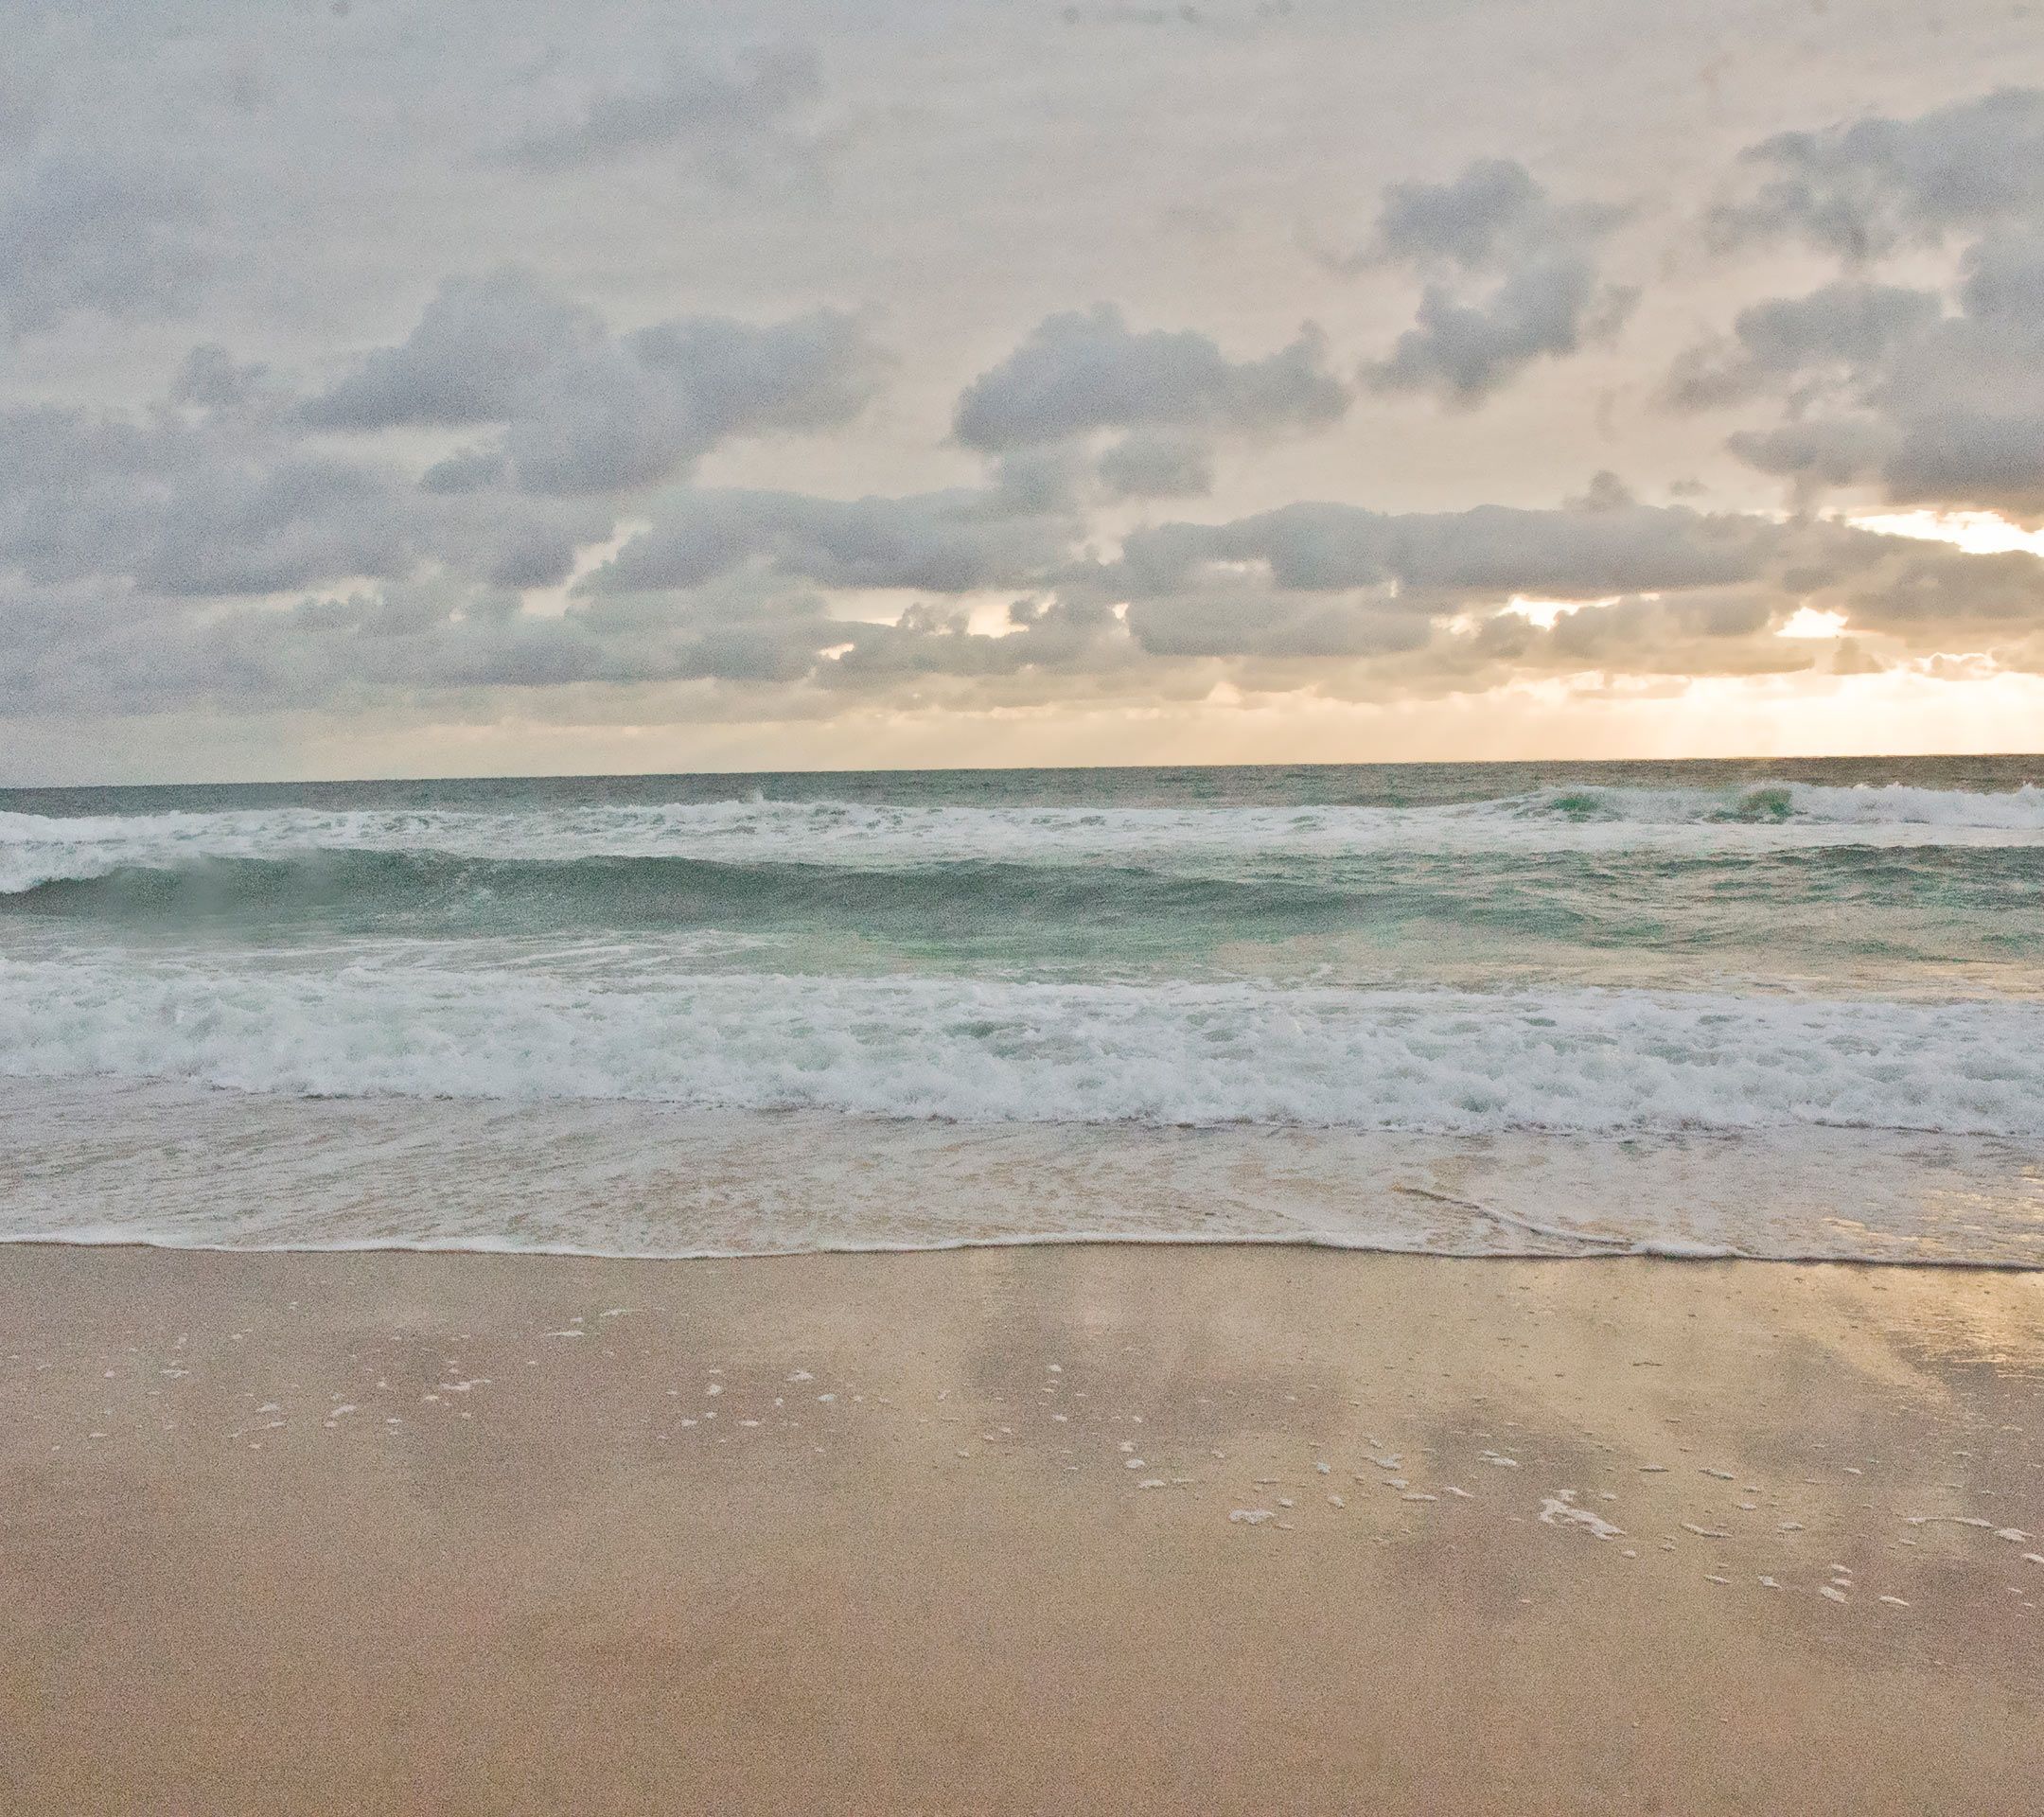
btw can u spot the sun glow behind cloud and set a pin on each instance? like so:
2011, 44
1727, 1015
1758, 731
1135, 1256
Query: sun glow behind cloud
1979, 533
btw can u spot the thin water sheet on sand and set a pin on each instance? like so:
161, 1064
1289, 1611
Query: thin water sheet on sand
98, 1161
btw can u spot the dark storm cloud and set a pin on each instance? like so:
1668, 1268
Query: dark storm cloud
1089, 370
733, 127
584, 411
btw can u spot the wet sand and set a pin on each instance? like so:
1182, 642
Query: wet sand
1078, 1529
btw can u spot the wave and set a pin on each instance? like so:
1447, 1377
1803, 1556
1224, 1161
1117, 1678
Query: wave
1368, 917
657, 891
39, 849
415, 1021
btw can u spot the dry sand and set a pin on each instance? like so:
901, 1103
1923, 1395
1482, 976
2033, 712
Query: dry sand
953, 1533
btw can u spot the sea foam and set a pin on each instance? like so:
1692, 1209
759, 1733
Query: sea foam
995, 1049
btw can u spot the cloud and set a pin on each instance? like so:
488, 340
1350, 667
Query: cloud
221, 505
1466, 351
1935, 407
736, 591
1933, 395
583, 411
1520, 280
735, 129
1864, 189
943, 542
1490, 553
1494, 213
88, 234
1831, 332
1085, 371
1151, 464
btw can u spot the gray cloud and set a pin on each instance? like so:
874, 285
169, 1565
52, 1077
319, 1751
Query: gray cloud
1494, 213
275, 524
1151, 464
1548, 298
215, 506
1466, 351
1318, 595
1864, 189
735, 129
1085, 371
945, 543
84, 233
1490, 553
583, 411
1936, 398
1832, 332
1939, 409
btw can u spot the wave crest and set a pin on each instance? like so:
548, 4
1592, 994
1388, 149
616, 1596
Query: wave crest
39, 849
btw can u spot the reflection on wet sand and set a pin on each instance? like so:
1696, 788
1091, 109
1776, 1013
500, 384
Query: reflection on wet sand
1019, 1529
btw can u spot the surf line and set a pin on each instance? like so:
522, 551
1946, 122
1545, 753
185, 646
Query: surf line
1584, 1243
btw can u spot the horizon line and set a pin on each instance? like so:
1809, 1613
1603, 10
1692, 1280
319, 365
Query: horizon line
1019, 770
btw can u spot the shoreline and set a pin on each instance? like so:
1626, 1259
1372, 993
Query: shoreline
1011, 1529
1691, 1255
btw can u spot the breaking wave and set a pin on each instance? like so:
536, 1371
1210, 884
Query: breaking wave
40, 849
420, 1022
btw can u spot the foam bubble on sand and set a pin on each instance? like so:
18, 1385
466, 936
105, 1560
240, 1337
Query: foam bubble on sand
1560, 1509
1704, 1532
1251, 1516
1832, 1592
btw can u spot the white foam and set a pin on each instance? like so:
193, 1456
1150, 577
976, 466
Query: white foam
1560, 1509
996, 1050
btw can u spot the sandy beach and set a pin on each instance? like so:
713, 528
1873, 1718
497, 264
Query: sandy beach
1080, 1530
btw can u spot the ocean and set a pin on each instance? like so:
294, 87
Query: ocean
1782, 1008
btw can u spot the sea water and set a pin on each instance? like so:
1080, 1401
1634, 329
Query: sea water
1791, 1009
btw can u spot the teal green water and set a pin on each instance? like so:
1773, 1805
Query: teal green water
1587, 946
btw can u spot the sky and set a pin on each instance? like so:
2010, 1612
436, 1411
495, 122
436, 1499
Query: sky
394, 388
